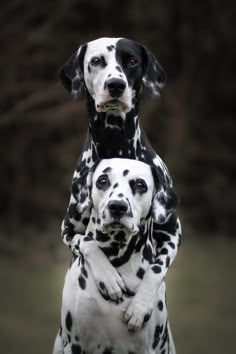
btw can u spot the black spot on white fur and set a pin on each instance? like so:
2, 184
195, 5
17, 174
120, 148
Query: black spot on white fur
160, 305
118, 68
140, 273
76, 349
68, 321
82, 282
107, 169
110, 48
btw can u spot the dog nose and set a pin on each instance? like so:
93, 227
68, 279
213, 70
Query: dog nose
117, 208
116, 87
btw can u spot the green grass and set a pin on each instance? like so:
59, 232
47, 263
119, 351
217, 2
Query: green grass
201, 296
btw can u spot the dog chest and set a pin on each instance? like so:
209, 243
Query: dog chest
98, 322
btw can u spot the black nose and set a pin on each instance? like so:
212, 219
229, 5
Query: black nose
116, 87
117, 208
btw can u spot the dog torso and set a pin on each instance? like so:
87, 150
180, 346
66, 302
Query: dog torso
121, 226
97, 325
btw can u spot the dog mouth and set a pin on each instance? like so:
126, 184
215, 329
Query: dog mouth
117, 224
114, 105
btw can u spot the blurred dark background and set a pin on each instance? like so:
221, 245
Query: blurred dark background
191, 126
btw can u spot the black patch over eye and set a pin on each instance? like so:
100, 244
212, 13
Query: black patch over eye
103, 182
132, 61
141, 185
138, 186
95, 61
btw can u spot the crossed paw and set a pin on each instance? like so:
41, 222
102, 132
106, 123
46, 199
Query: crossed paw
110, 284
108, 280
112, 287
138, 312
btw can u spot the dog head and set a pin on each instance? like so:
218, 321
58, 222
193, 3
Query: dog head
123, 193
112, 71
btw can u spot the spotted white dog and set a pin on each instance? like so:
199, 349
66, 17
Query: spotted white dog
113, 302
112, 73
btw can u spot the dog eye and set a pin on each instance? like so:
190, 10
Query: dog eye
102, 182
133, 61
95, 61
140, 185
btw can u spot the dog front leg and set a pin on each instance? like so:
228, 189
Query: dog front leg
108, 280
141, 305
167, 238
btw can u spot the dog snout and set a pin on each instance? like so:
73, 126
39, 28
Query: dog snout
117, 208
116, 87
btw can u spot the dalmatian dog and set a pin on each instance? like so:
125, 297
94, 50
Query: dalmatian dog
114, 294
112, 73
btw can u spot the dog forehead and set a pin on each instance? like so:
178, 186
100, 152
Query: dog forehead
124, 168
101, 45
108, 44
125, 45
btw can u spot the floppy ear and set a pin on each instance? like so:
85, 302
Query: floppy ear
81, 189
164, 200
154, 76
71, 74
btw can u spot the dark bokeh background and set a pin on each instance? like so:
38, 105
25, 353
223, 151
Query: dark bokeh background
192, 128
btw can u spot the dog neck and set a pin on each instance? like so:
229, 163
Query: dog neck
114, 134
119, 245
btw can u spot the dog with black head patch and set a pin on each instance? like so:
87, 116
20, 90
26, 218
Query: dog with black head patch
112, 71
113, 300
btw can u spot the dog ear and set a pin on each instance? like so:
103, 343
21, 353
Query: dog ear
164, 200
154, 77
81, 189
71, 74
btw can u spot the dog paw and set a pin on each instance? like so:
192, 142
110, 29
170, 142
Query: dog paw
114, 293
137, 314
110, 284
108, 280
75, 244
